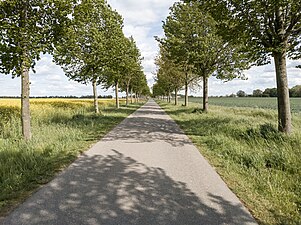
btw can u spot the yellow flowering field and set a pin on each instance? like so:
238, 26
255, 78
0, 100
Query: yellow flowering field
17, 102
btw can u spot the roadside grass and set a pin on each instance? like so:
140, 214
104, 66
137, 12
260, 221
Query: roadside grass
261, 165
62, 129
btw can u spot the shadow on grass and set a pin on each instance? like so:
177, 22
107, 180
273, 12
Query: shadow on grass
202, 126
205, 126
115, 189
93, 125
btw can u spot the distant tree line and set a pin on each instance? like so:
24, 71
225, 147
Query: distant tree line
64, 97
294, 92
99, 96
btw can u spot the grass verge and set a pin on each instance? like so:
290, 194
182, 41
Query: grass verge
61, 131
261, 165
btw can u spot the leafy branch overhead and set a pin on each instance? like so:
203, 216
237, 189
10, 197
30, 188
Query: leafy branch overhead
29, 28
86, 51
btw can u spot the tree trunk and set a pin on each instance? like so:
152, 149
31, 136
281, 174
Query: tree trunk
116, 95
96, 109
176, 96
169, 97
205, 94
186, 93
131, 95
284, 111
25, 105
25, 82
127, 96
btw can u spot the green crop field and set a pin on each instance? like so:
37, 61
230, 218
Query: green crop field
265, 103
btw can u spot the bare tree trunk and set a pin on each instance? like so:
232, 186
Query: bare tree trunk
25, 104
116, 95
176, 96
25, 82
131, 95
186, 93
169, 97
284, 111
205, 94
127, 96
94, 84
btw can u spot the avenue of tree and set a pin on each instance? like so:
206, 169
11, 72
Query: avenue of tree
225, 37
85, 37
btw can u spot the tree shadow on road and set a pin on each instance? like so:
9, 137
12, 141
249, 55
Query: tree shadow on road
149, 124
119, 190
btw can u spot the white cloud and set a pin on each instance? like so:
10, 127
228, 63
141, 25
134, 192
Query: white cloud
258, 78
142, 12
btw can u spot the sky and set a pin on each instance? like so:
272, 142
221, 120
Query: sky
142, 20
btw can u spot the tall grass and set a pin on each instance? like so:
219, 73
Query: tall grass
261, 165
62, 129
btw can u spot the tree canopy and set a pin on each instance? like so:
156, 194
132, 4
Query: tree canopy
85, 52
27, 29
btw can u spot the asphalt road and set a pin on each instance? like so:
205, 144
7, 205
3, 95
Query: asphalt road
146, 172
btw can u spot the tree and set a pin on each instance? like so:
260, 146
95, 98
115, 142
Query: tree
133, 67
168, 75
118, 66
257, 93
191, 36
139, 86
267, 29
158, 90
86, 51
241, 93
29, 28
270, 92
295, 91
177, 48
